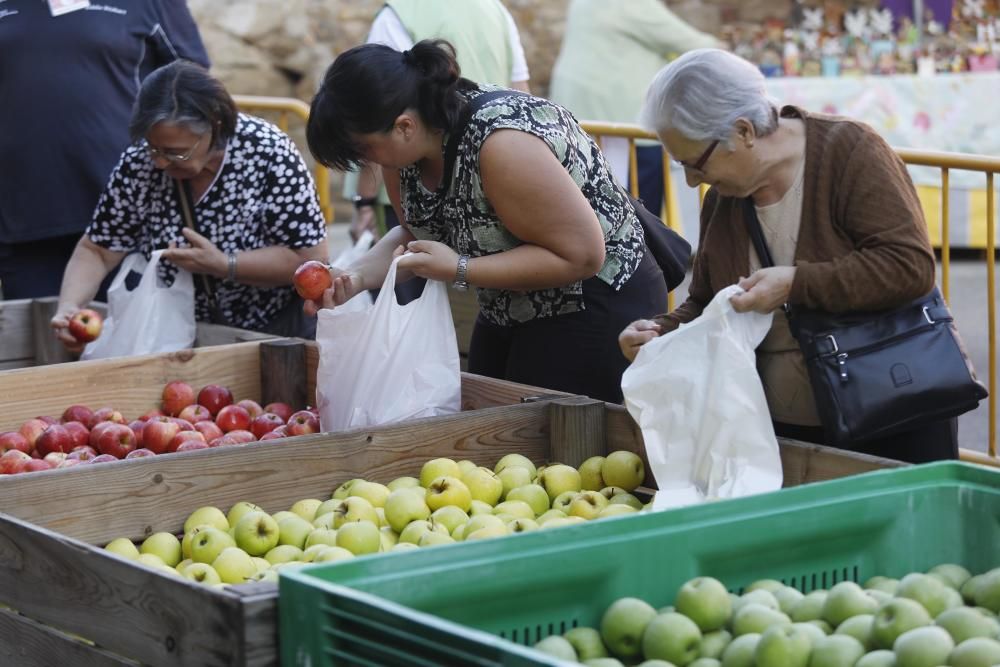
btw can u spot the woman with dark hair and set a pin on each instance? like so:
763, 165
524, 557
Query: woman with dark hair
253, 203
531, 217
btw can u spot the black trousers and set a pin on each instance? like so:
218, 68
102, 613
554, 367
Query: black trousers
931, 442
576, 352
34, 269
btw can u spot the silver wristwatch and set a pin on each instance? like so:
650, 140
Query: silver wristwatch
461, 284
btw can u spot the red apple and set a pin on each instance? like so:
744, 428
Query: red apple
224, 441
158, 433
195, 413
14, 440
233, 418
115, 439
37, 465
209, 429
85, 325
55, 458
215, 397
241, 436
78, 433
105, 415
273, 435
31, 429
177, 395
137, 427
69, 463
265, 423
103, 458
84, 453
311, 279
47, 419
184, 424
191, 445
139, 453
54, 439
252, 407
77, 413
283, 410
13, 461
182, 437
302, 422
149, 414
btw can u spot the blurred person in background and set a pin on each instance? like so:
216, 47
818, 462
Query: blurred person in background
254, 201
610, 52
69, 74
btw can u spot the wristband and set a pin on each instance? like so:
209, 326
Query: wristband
362, 202
231, 273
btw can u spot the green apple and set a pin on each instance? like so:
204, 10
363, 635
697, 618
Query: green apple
444, 491
811, 630
283, 553
257, 533
976, 652
518, 460
485, 533
327, 507
969, 588
326, 520
880, 583
952, 574
206, 516
759, 596
481, 521
373, 492
672, 637
772, 586
479, 507
550, 514
700, 662
624, 623
925, 589
283, 514
895, 617
151, 560
209, 543
522, 526
441, 467
809, 608
294, 530
590, 474
836, 651
450, 517
783, 646
402, 483
203, 573
533, 494
344, 490
327, 536
558, 479
564, 500
484, 485
880, 658
923, 647
987, 591
404, 546
355, 509
859, 627
164, 545
359, 537
953, 597
516, 509
433, 539
261, 564
714, 643
844, 600
513, 477
610, 492
557, 647
706, 602
560, 523
625, 499
403, 506
306, 508
415, 529
331, 554
663, 663
237, 511
234, 565
585, 641
615, 510
754, 618
623, 469
389, 537
881, 597
183, 564
123, 547
822, 626
740, 652
310, 552
787, 598
382, 521
965, 623
587, 505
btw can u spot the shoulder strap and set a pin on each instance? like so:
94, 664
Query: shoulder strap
471, 107
186, 199
756, 234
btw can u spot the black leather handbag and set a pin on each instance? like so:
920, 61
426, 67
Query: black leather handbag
874, 374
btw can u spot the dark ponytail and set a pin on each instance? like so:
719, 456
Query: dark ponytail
367, 87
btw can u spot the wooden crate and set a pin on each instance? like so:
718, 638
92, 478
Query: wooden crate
27, 340
53, 574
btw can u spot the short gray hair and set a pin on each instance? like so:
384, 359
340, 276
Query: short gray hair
704, 92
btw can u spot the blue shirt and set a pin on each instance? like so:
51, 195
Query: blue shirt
67, 85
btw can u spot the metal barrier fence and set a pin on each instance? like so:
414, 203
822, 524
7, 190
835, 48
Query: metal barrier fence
946, 162
284, 106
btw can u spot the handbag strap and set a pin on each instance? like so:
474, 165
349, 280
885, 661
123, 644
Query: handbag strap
186, 199
756, 233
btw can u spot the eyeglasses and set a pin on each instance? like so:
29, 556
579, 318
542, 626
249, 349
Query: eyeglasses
700, 162
172, 157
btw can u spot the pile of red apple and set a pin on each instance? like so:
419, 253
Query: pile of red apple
184, 421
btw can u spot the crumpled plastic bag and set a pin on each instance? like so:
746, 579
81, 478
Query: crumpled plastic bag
699, 401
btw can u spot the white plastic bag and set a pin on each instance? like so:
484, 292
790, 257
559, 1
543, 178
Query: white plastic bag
699, 401
361, 301
149, 319
388, 362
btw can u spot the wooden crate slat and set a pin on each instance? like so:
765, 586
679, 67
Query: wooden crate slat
479, 392
152, 617
25, 642
17, 339
804, 462
208, 334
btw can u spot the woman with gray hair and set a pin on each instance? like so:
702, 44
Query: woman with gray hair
252, 200
838, 212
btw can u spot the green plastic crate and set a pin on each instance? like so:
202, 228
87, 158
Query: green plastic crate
484, 603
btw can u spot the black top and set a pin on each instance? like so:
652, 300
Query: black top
67, 85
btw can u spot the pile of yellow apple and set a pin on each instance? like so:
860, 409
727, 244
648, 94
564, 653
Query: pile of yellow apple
450, 502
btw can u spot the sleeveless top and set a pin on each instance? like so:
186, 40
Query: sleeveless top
463, 218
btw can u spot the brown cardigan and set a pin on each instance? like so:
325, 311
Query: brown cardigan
863, 242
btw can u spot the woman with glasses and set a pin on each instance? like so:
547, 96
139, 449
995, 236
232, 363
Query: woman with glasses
532, 217
837, 209
255, 213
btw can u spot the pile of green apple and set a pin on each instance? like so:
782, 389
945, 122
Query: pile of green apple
943, 617
450, 502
